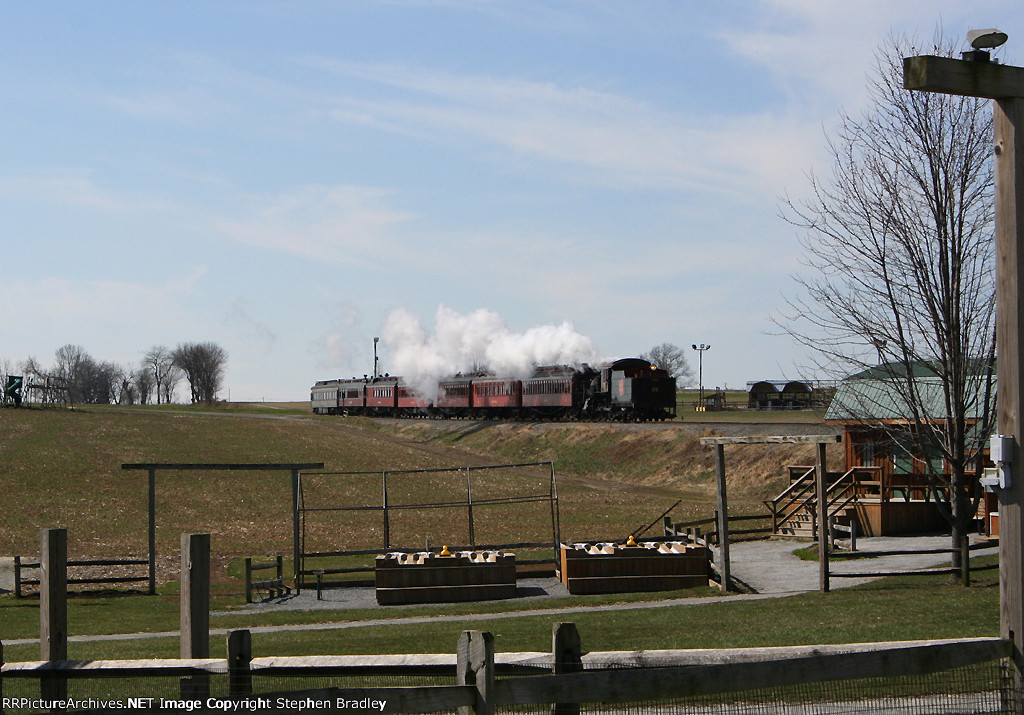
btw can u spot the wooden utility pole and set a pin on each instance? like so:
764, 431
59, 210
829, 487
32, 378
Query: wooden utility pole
1005, 85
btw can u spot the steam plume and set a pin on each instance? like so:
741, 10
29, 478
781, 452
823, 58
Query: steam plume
461, 343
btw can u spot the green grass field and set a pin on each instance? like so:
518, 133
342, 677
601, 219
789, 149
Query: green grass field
62, 468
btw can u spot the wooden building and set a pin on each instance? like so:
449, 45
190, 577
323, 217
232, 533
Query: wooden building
891, 482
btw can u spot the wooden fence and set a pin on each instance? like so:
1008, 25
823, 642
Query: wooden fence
20, 567
275, 586
483, 679
309, 572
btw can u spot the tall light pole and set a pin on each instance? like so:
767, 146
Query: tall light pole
977, 76
700, 370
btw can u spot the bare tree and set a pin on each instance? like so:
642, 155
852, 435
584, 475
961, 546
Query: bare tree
72, 366
899, 250
159, 362
672, 358
144, 384
203, 365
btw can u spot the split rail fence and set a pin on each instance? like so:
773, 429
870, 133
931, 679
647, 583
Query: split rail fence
965, 675
477, 679
21, 580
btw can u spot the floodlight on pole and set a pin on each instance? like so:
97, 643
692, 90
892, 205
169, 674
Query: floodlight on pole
986, 39
982, 41
700, 369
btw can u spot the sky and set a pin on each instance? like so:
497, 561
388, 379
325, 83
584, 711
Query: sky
292, 178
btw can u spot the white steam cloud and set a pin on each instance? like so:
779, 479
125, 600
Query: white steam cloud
461, 343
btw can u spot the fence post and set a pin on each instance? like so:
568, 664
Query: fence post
822, 517
195, 609
298, 545
151, 528
53, 608
853, 534
567, 651
475, 666
723, 520
965, 560
239, 658
669, 531
248, 579
1, 679
17, 577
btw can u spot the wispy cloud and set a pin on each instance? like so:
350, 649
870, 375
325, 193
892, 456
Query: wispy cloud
610, 138
340, 224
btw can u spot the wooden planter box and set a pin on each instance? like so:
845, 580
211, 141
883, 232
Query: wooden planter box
432, 578
649, 566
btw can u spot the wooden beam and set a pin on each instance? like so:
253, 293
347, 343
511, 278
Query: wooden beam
946, 75
779, 439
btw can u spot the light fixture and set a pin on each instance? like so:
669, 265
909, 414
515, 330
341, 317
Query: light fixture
986, 39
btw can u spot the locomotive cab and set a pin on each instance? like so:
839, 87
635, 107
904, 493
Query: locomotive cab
638, 390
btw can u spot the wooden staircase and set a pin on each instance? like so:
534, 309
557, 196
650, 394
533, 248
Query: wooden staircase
794, 511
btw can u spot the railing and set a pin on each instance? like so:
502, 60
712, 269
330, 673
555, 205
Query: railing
800, 496
20, 581
274, 586
690, 530
484, 679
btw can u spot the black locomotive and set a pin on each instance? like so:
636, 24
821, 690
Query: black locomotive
628, 390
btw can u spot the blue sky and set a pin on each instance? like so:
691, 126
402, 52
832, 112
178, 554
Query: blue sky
285, 178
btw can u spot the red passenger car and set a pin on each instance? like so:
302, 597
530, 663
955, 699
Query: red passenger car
455, 396
381, 395
409, 403
496, 396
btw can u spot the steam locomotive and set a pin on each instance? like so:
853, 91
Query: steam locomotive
629, 390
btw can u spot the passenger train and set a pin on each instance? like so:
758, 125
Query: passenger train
628, 390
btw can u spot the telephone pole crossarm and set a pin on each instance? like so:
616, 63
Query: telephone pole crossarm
946, 75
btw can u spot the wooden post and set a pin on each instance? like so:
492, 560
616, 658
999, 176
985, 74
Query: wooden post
151, 509
387, 515
195, 595
17, 577
239, 658
567, 652
195, 608
2, 709
822, 516
475, 666
248, 579
723, 520
296, 556
469, 505
965, 560
53, 607
1009, 124
1005, 84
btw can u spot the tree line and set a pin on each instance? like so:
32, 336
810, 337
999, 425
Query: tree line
77, 378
